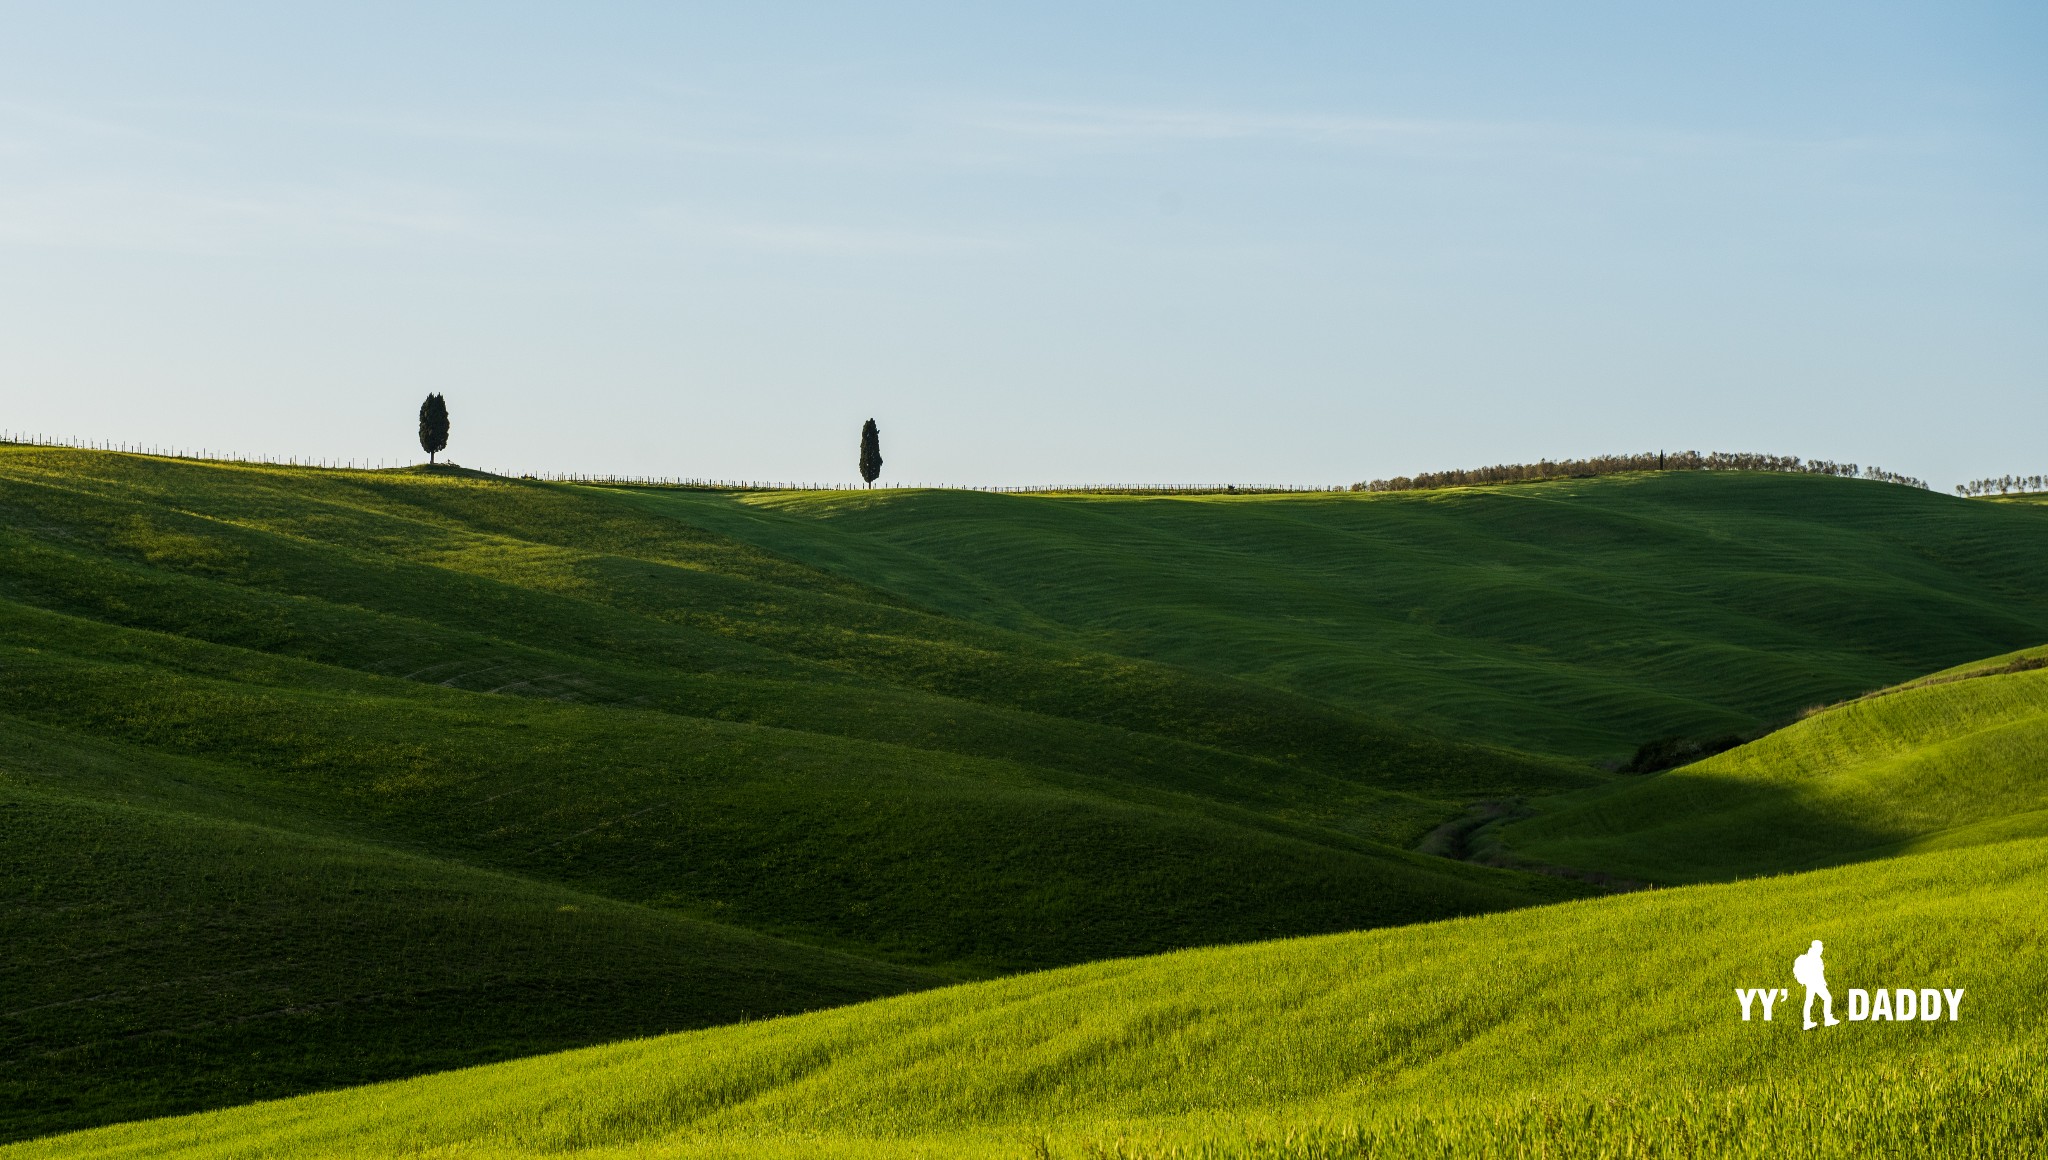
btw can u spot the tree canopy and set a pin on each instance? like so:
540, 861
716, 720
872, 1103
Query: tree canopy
433, 425
870, 452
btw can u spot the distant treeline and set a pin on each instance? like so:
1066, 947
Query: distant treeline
2004, 485
1646, 461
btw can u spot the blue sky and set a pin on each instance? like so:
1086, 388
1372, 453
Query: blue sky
1048, 243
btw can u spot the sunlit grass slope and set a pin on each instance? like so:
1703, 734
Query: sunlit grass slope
1956, 758
1605, 1027
1580, 617
359, 738
582, 595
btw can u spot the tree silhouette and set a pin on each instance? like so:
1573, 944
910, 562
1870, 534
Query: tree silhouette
433, 426
870, 452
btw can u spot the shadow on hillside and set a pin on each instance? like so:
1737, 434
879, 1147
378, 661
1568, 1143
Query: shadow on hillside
1671, 829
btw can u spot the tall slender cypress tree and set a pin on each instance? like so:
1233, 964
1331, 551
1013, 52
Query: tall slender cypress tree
433, 426
870, 452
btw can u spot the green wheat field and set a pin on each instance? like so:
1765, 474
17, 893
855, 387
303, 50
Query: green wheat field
427, 813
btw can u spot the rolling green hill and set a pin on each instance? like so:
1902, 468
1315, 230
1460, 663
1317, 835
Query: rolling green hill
1956, 758
310, 778
169, 944
1605, 1027
1580, 618
361, 738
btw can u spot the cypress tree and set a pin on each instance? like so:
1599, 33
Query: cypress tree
433, 426
870, 452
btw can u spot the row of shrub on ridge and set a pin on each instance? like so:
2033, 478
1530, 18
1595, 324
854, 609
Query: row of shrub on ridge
1645, 461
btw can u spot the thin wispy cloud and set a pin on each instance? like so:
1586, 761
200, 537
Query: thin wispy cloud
1109, 126
127, 216
819, 239
1137, 124
33, 122
623, 129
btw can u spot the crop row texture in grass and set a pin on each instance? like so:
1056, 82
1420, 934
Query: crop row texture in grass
1602, 1027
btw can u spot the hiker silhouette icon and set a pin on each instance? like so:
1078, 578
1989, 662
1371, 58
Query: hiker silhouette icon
1812, 974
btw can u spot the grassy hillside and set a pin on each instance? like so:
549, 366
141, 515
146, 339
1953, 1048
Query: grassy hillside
1581, 617
578, 594
1604, 1027
443, 768
1956, 758
362, 737
171, 945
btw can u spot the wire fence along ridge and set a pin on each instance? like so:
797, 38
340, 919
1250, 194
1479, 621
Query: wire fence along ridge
1546, 469
203, 455
1026, 489
209, 455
